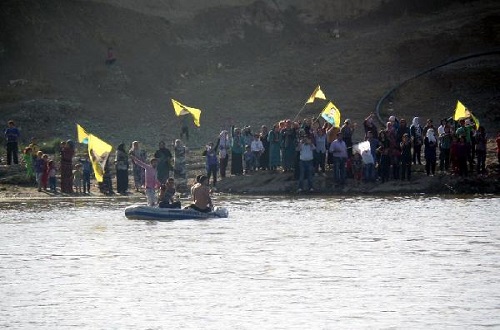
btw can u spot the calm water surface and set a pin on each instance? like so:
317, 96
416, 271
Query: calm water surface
275, 263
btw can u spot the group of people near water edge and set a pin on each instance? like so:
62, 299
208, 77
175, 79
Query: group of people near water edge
154, 177
306, 148
310, 147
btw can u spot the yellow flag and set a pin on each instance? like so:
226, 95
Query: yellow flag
476, 121
181, 110
82, 135
98, 153
461, 111
317, 94
331, 114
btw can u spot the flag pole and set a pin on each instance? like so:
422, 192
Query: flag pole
319, 116
311, 98
300, 111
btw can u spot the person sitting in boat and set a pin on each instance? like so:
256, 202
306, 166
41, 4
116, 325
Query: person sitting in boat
201, 195
166, 197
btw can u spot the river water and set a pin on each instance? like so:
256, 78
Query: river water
275, 263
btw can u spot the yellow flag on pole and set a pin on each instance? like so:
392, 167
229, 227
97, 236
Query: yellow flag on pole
317, 94
181, 110
461, 112
82, 135
331, 114
98, 152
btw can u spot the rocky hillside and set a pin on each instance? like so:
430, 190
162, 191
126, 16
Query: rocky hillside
241, 62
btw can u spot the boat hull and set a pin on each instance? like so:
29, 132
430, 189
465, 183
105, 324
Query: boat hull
143, 212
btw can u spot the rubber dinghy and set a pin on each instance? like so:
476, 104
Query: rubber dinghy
144, 212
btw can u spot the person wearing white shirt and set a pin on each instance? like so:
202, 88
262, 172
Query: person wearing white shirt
257, 148
338, 149
306, 168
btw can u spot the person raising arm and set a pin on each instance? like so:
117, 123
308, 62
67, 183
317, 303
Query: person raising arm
151, 181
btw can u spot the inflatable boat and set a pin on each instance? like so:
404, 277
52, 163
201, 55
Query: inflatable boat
144, 212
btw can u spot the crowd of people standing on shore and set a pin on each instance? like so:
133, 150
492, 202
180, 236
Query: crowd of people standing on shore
308, 147
76, 171
44, 170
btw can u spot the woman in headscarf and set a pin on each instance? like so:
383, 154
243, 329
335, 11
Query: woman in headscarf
180, 151
138, 171
264, 157
430, 143
67, 151
121, 165
416, 132
274, 139
237, 149
224, 147
288, 145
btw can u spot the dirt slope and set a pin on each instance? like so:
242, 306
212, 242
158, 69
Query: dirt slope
241, 62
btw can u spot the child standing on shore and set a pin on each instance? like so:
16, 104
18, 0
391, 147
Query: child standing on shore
52, 171
357, 167
249, 158
39, 169
45, 174
86, 173
78, 178
29, 162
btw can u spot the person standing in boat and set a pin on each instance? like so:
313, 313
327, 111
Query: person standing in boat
150, 180
202, 201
